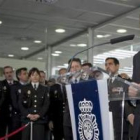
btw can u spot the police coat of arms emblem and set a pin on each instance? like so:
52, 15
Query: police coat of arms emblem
88, 127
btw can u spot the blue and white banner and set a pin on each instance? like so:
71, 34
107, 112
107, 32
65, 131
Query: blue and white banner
88, 103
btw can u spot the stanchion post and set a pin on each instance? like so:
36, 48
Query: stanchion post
122, 115
31, 130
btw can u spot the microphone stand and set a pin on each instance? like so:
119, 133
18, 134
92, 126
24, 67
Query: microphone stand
112, 41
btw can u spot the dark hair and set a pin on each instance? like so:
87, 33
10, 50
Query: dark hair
41, 71
33, 70
6, 68
87, 64
62, 69
18, 71
116, 61
75, 60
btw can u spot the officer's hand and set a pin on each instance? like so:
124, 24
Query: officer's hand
132, 92
131, 118
51, 125
31, 117
36, 117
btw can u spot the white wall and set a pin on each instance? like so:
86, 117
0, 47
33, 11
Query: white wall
21, 63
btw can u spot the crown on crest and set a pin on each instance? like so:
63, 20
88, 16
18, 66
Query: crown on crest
85, 106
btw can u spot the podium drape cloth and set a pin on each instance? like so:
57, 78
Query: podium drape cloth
85, 109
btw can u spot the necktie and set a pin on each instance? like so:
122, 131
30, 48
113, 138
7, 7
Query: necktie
76, 81
35, 87
10, 83
110, 81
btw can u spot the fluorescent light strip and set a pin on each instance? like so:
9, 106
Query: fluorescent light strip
125, 51
61, 66
128, 68
125, 70
120, 53
98, 62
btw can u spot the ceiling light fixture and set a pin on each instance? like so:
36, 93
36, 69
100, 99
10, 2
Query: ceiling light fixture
81, 45
58, 52
39, 58
10, 55
54, 54
37, 41
73, 45
100, 36
121, 31
107, 35
24, 48
60, 30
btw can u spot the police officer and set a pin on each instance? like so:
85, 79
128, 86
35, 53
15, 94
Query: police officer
6, 110
56, 109
43, 80
34, 104
1, 96
2, 112
22, 76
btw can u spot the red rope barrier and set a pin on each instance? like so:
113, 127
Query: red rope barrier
15, 132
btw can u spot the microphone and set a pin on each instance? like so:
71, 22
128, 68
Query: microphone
118, 78
121, 39
112, 41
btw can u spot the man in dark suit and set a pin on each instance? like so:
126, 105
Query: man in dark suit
6, 109
43, 80
136, 68
75, 66
57, 109
134, 116
115, 89
22, 76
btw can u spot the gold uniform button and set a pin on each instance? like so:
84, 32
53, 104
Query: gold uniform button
35, 105
35, 111
35, 101
35, 96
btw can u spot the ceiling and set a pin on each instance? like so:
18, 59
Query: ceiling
24, 21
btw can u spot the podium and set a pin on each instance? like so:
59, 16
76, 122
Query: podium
98, 112
89, 110
99, 107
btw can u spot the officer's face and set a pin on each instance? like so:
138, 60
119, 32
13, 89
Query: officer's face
85, 68
75, 66
42, 77
111, 67
23, 77
8, 73
35, 77
62, 72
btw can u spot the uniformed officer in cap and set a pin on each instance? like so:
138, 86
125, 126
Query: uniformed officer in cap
22, 76
34, 104
2, 116
6, 110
